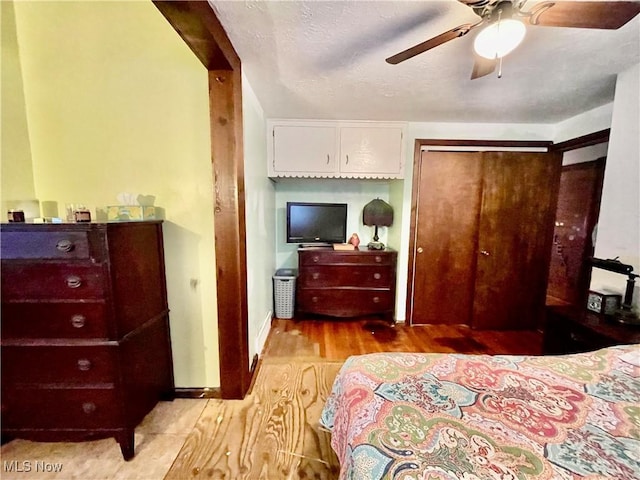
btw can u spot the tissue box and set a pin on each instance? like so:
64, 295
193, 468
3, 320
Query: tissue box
130, 212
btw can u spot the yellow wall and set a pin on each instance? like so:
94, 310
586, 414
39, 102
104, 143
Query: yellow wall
17, 174
116, 102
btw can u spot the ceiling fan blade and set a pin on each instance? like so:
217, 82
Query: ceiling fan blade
605, 15
431, 43
483, 66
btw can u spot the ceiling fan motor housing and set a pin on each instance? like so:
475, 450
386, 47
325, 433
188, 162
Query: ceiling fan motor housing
486, 8
476, 3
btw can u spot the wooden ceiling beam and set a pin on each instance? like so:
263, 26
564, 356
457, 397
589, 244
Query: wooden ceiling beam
198, 26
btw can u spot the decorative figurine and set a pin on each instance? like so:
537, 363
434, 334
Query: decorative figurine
354, 240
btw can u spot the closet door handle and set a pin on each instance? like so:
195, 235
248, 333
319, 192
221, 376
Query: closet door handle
327, 159
347, 160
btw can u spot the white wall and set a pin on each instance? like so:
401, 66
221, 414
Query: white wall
587, 122
618, 233
260, 218
585, 154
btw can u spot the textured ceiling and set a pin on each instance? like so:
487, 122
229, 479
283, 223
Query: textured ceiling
326, 60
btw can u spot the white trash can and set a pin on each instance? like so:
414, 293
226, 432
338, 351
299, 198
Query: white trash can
284, 292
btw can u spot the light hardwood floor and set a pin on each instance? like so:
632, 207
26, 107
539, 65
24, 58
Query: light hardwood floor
274, 432
158, 440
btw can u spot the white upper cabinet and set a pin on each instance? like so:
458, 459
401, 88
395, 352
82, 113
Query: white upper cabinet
303, 150
371, 150
335, 149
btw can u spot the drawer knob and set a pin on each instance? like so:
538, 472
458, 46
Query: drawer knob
376, 299
88, 407
315, 276
64, 245
378, 259
74, 281
316, 259
377, 276
78, 321
314, 299
84, 364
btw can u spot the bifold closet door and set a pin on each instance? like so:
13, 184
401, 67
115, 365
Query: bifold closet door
483, 232
519, 197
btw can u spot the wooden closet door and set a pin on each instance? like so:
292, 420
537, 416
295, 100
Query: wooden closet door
448, 204
576, 217
519, 197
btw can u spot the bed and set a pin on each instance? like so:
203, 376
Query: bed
480, 417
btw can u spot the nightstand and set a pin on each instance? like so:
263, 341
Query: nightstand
571, 330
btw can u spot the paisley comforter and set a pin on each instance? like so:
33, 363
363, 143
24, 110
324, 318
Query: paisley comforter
479, 417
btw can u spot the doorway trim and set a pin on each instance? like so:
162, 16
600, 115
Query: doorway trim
589, 140
197, 24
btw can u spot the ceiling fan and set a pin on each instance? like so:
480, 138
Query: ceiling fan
503, 22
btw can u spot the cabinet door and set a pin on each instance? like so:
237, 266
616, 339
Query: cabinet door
304, 149
371, 150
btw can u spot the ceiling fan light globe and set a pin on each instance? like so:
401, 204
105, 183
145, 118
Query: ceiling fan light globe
499, 38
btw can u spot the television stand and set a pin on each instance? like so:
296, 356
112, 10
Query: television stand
346, 283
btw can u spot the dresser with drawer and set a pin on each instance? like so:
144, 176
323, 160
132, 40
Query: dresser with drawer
85, 343
346, 283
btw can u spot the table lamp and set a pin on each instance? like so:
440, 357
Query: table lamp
377, 213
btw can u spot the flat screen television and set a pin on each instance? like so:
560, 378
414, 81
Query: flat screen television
313, 223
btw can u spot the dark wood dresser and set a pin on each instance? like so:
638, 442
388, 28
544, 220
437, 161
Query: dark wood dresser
572, 330
86, 351
346, 283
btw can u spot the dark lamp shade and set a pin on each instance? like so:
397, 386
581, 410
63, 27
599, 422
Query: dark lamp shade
377, 212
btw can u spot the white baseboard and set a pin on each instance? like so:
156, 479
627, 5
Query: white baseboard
261, 339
